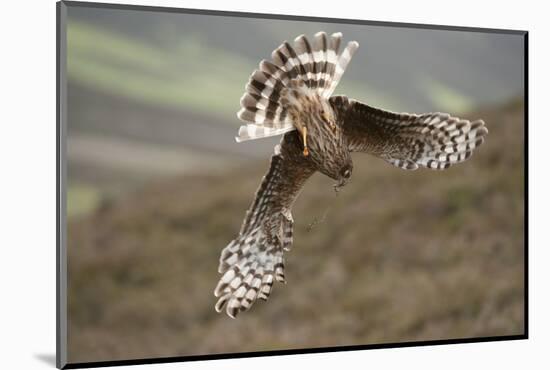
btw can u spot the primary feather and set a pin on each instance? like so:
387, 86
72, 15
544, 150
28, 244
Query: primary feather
408, 141
254, 259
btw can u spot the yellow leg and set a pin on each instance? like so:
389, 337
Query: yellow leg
304, 136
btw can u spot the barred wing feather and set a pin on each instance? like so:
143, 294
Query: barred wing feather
254, 259
408, 141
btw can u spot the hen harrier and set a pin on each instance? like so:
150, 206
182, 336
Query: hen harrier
291, 95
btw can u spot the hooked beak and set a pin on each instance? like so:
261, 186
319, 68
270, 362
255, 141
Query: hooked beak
340, 184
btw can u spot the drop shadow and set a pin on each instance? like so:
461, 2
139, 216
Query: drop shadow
47, 358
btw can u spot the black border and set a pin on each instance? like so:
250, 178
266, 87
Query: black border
225, 13
221, 356
304, 350
526, 184
57, 186
61, 277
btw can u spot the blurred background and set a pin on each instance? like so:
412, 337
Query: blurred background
157, 186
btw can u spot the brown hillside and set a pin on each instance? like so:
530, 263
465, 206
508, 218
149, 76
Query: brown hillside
400, 256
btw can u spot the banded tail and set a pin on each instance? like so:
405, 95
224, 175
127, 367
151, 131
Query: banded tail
318, 65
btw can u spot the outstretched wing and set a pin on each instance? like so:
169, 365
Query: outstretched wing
431, 140
250, 263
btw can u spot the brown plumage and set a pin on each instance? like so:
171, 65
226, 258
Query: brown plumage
292, 96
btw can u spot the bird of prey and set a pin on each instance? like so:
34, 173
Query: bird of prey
291, 95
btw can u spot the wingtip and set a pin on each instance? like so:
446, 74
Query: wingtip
299, 37
231, 311
242, 101
238, 114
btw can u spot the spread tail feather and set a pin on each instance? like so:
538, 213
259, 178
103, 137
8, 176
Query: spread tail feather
317, 64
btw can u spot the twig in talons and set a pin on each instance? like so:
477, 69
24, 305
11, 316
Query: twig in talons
316, 221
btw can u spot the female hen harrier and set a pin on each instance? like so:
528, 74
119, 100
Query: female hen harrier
292, 96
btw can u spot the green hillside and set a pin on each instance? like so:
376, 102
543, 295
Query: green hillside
183, 63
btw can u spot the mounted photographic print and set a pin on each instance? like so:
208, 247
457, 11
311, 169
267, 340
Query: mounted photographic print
235, 184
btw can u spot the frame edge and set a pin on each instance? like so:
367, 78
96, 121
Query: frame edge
61, 199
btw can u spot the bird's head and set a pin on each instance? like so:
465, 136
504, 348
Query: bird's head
345, 176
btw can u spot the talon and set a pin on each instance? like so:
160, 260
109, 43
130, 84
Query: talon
306, 152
